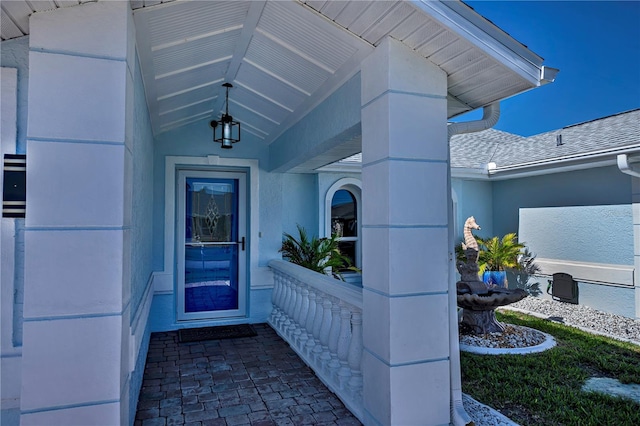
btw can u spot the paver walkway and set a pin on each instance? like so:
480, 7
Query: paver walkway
247, 381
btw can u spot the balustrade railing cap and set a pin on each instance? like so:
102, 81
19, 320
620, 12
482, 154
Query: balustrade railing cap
324, 283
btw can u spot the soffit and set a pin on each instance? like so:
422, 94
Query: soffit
285, 57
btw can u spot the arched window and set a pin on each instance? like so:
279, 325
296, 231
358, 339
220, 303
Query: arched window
342, 217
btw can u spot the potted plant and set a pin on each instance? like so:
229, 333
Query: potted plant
318, 254
496, 256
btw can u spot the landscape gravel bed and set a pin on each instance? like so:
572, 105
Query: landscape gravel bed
583, 317
512, 337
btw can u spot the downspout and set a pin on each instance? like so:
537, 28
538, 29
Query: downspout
459, 416
625, 166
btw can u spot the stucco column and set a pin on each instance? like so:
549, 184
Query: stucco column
76, 303
405, 219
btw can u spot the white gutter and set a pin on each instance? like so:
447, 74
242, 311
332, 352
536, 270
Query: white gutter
567, 163
625, 166
459, 416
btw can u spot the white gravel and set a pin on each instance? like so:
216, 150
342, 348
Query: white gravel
582, 317
512, 337
578, 316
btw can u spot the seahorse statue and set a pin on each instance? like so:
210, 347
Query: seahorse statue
469, 240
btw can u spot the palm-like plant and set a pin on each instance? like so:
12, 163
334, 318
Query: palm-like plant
499, 254
317, 254
527, 267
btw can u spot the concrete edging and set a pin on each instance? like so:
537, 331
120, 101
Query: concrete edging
548, 343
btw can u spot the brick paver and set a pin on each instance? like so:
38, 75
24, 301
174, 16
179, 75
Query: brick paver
256, 381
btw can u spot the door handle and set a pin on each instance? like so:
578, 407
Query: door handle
241, 242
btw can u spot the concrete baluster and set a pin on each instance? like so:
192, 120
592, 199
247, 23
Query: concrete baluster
344, 341
304, 309
311, 314
295, 310
275, 301
334, 333
325, 356
317, 325
355, 355
287, 306
282, 292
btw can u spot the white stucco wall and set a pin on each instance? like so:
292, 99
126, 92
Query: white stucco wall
599, 234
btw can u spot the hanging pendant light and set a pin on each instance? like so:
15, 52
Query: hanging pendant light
226, 131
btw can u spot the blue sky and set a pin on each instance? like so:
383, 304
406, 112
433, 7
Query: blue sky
596, 46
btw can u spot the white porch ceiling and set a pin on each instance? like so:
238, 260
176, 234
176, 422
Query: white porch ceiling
284, 57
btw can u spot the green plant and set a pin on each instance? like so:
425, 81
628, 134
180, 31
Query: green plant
317, 254
526, 268
499, 254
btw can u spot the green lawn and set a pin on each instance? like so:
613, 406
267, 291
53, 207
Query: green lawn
544, 388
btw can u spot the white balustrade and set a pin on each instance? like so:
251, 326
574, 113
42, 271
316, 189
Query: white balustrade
321, 319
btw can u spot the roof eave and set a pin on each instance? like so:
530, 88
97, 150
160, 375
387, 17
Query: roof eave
486, 36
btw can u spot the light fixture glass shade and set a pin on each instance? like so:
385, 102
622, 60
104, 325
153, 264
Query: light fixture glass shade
226, 131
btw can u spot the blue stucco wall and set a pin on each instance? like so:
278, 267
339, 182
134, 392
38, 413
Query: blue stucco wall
615, 300
334, 120
474, 198
141, 226
141, 223
600, 186
300, 192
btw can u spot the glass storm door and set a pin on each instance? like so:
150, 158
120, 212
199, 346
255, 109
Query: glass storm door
212, 246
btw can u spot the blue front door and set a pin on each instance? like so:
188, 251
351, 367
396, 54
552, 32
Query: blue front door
211, 266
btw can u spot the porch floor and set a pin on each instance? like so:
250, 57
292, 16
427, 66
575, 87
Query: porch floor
246, 381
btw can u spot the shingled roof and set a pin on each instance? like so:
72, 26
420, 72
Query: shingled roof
608, 134
475, 150
584, 143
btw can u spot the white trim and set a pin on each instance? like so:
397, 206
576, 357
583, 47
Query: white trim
599, 273
209, 162
354, 186
139, 323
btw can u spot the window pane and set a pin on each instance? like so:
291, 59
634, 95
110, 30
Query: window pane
348, 249
344, 221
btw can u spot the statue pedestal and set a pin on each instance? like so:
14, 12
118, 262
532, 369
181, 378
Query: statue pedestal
482, 322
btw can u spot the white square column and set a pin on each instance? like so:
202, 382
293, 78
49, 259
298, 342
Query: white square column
405, 240
77, 272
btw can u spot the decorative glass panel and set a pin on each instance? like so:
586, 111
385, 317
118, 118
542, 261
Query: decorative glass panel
211, 248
